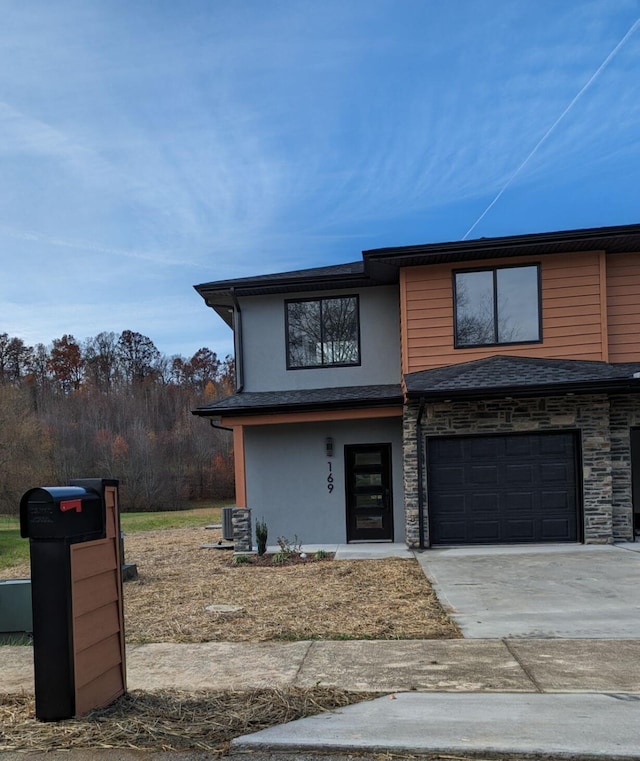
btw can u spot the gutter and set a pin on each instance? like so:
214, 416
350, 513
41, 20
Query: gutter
217, 426
238, 342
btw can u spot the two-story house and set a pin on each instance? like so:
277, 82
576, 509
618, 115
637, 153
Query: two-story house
480, 391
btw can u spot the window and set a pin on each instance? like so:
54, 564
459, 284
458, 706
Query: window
323, 332
497, 306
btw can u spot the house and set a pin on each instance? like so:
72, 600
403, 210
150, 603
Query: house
482, 391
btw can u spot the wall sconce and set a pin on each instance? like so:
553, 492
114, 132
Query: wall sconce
328, 444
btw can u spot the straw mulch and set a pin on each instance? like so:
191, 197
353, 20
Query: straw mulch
324, 599
165, 721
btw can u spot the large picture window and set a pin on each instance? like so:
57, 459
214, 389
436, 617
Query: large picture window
497, 306
323, 332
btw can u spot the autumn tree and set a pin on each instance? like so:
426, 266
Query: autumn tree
137, 355
66, 363
101, 360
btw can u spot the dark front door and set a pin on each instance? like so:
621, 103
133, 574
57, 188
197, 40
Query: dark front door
494, 489
368, 483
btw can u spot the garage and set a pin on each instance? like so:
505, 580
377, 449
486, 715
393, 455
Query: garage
514, 488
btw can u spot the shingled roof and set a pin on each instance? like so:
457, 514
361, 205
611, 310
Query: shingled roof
303, 400
500, 376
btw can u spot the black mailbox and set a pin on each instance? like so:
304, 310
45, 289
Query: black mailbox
62, 512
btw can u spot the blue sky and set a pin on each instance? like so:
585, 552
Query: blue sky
147, 146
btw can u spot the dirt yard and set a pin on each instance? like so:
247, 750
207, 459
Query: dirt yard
178, 580
323, 599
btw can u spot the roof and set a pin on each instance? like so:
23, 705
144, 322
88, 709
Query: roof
303, 400
381, 266
500, 376
613, 240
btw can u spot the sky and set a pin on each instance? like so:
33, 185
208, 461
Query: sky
152, 145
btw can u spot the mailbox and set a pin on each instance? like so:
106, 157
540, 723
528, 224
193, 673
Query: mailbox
73, 513
76, 591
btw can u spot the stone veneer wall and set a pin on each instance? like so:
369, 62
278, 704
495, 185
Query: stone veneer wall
587, 414
625, 414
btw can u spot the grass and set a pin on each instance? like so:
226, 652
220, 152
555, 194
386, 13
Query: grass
14, 550
136, 522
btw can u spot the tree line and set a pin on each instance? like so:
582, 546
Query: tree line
112, 406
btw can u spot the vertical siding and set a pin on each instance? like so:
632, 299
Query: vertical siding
623, 307
572, 299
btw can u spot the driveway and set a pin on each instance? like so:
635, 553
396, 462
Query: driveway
573, 591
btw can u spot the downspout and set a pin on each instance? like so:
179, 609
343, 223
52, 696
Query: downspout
420, 455
237, 341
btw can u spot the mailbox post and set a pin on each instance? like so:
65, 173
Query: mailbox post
76, 585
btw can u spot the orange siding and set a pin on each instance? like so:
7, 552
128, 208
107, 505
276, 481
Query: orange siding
623, 307
572, 310
239, 465
98, 618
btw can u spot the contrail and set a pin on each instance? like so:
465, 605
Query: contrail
585, 87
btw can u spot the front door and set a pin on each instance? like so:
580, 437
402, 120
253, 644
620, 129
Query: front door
368, 483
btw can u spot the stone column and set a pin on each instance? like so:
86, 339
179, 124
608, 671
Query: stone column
242, 532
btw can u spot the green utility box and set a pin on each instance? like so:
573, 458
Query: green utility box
15, 606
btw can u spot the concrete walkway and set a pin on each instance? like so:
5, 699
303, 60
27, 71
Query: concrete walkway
542, 666
456, 696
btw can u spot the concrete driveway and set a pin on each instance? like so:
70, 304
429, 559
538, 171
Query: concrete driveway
574, 591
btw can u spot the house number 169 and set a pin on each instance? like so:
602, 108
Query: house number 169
330, 479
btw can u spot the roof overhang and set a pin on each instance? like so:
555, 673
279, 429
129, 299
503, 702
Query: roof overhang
309, 400
613, 240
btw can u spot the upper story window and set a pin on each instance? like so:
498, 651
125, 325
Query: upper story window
323, 332
500, 305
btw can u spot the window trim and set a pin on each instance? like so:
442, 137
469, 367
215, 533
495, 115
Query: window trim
494, 270
320, 299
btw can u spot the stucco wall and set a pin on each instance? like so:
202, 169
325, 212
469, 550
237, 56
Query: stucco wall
265, 361
287, 470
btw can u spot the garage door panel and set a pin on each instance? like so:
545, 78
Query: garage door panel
557, 500
519, 474
525, 491
454, 532
481, 449
556, 530
448, 476
483, 475
486, 531
523, 530
488, 502
557, 472
518, 502
452, 506
520, 447
559, 444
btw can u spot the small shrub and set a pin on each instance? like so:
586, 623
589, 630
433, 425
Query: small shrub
289, 547
320, 554
261, 536
241, 559
281, 557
